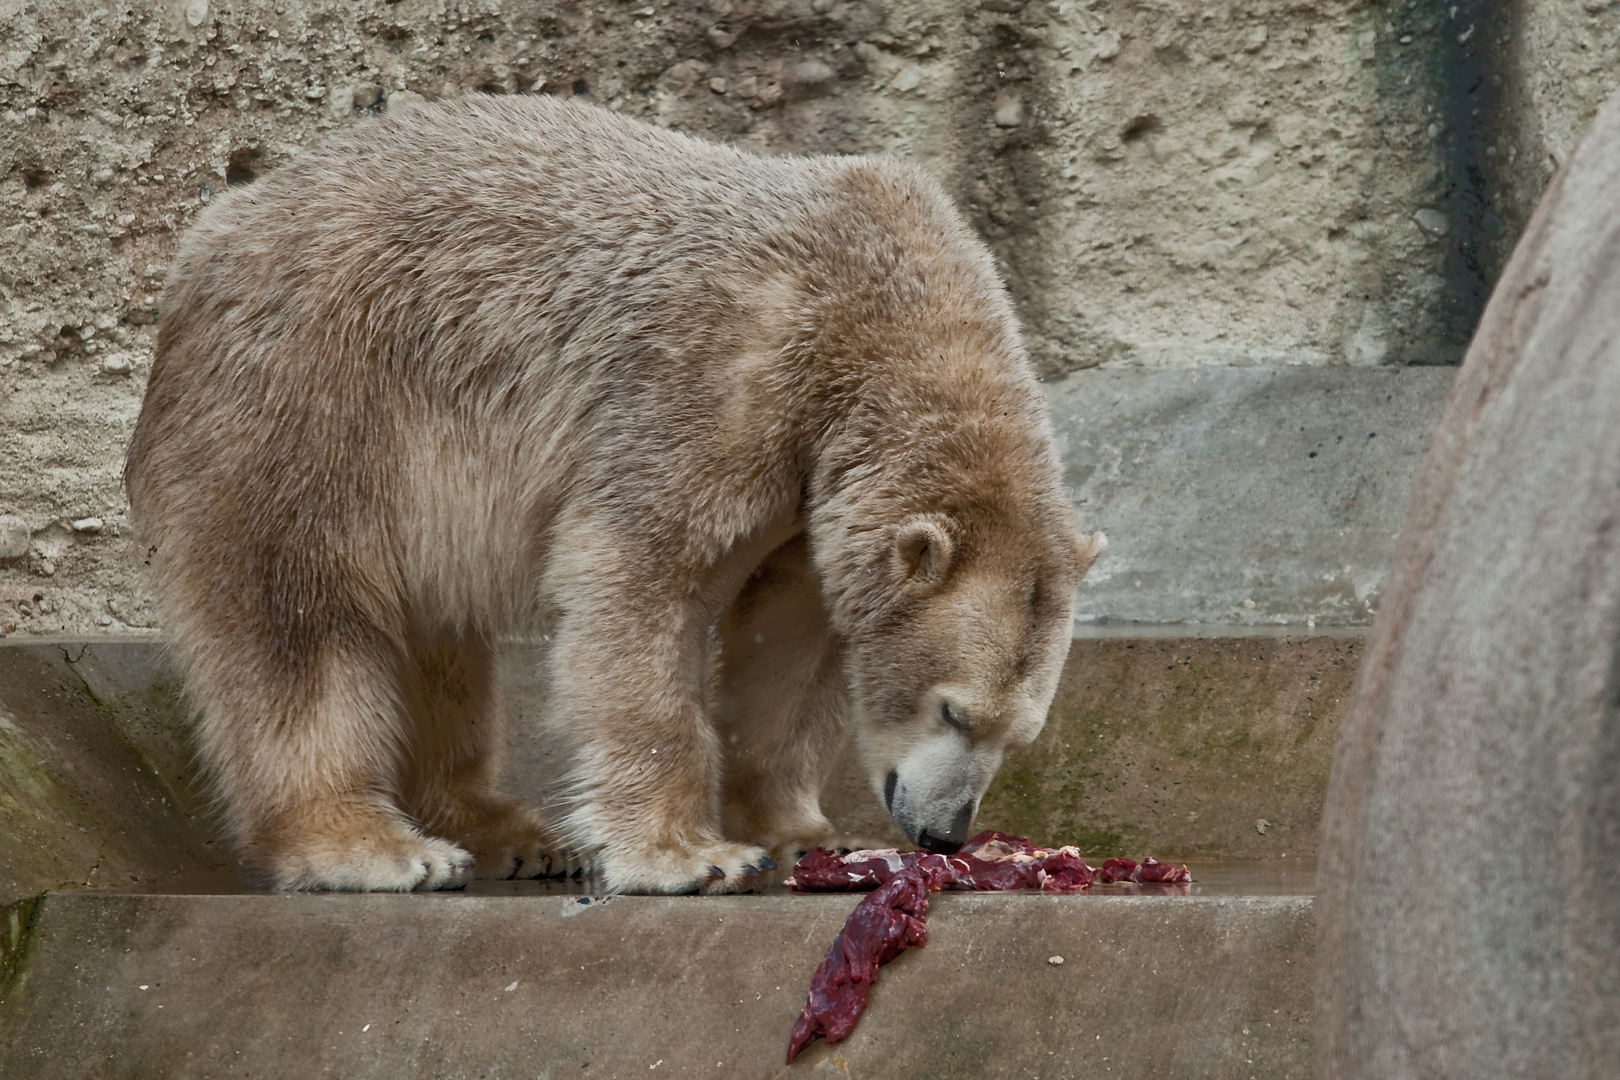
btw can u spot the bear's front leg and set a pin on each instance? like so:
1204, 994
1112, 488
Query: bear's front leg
628, 677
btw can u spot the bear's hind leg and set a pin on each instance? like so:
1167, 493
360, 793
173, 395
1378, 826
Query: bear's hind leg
452, 764
302, 744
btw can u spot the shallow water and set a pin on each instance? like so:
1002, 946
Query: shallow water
1231, 877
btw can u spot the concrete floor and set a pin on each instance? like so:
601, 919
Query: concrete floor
447, 986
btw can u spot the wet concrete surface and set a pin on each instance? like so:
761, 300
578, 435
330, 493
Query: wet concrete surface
1211, 877
1243, 496
1188, 748
118, 984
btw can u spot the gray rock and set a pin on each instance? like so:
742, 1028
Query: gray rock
1470, 877
90, 525
1009, 111
14, 537
402, 99
1432, 222
809, 77
340, 101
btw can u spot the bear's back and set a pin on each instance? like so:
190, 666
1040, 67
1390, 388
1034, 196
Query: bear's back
496, 185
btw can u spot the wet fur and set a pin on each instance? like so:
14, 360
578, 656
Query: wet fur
498, 362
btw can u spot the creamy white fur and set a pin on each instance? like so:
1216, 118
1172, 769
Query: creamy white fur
499, 361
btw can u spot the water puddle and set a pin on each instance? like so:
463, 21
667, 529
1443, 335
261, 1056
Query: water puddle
1231, 877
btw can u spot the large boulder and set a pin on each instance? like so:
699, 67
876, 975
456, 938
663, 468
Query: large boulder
1469, 892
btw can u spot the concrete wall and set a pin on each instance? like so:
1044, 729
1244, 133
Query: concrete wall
1167, 184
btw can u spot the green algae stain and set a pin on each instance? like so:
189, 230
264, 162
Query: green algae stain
24, 786
16, 919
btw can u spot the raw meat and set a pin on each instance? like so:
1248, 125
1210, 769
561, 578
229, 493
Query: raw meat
825, 871
990, 861
1150, 871
885, 923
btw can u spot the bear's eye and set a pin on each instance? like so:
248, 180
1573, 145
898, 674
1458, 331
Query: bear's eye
952, 716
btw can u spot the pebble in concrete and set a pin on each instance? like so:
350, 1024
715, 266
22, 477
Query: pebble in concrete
1432, 222
1009, 110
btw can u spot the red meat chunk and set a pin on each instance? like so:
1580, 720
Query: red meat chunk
991, 861
1149, 871
824, 871
880, 928
1117, 870
996, 861
1153, 870
886, 922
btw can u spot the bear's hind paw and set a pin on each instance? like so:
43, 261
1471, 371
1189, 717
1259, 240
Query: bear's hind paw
709, 868
408, 863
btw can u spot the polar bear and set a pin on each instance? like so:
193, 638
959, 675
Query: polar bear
754, 438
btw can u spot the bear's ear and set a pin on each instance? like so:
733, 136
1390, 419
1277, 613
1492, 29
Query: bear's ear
1087, 548
922, 551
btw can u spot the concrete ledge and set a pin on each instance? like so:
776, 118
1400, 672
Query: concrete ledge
119, 985
1243, 496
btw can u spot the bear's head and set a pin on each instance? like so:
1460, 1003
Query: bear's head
949, 571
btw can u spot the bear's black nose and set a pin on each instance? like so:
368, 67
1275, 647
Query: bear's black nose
938, 845
889, 783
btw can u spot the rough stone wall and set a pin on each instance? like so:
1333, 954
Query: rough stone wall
1167, 183
1563, 57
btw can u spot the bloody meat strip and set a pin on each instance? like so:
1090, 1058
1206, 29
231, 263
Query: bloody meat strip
995, 861
879, 929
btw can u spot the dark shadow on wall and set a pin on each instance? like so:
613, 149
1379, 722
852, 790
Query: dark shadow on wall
1463, 45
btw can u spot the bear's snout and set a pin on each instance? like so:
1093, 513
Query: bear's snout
950, 841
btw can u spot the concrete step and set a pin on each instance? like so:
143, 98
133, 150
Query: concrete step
1185, 747
1242, 496
545, 985
1179, 746
1217, 513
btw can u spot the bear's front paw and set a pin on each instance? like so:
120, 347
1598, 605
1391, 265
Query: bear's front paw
707, 868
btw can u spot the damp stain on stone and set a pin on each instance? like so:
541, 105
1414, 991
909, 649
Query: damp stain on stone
1455, 53
1003, 102
16, 921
